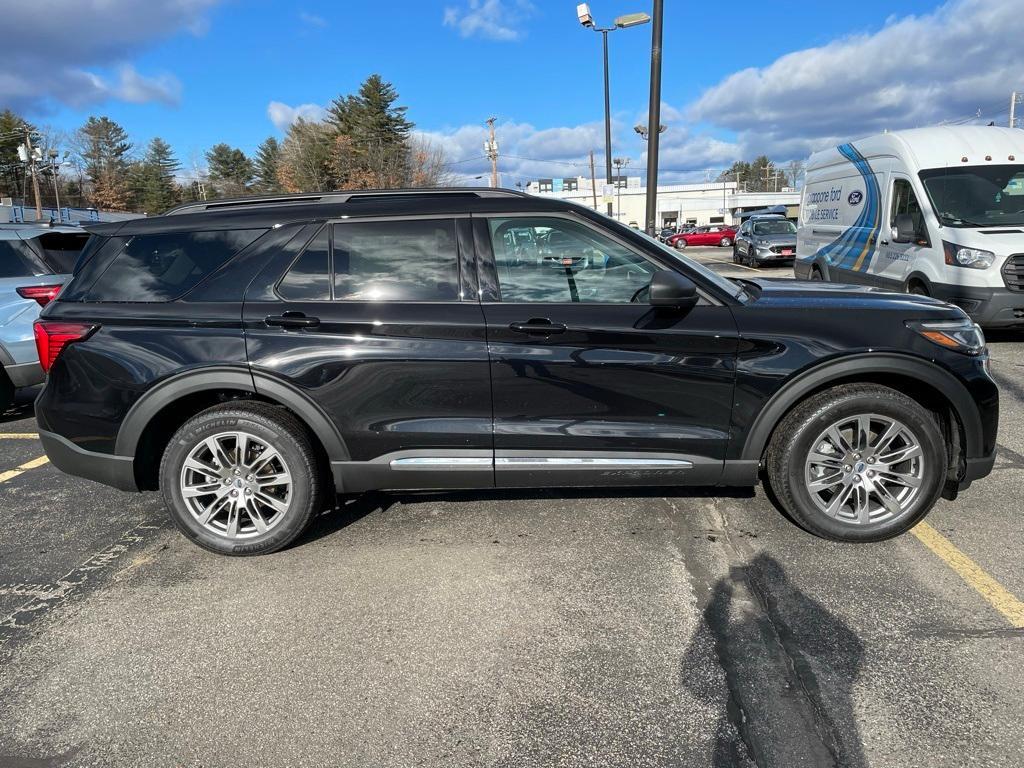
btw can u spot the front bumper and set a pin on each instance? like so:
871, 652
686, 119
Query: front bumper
116, 471
988, 307
764, 254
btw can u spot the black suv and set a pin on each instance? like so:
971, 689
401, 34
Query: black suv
251, 358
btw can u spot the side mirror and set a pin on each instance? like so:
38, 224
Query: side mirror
904, 231
672, 290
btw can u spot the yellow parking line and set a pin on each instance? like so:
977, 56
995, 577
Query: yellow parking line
13, 473
997, 595
18, 435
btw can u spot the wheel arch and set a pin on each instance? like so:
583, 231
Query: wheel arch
922, 380
154, 417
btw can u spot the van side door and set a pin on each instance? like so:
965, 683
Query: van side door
895, 260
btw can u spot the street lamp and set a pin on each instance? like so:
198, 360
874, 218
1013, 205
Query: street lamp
622, 22
644, 132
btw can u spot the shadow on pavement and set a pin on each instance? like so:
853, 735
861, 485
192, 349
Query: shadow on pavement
22, 408
790, 666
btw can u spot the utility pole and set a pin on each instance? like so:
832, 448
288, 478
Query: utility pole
491, 149
620, 162
32, 167
767, 176
1013, 109
593, 179
654, 117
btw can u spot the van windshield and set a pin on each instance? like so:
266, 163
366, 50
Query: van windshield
977, 196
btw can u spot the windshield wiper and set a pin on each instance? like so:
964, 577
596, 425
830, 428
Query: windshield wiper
945, 218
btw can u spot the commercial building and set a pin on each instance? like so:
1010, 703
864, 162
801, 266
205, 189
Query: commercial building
677, 204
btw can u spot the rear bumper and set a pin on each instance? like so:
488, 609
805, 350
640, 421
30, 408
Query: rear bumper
25, 374
988, 307
115, 471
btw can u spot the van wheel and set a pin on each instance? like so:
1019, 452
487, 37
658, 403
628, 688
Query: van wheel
857, 463
917, 289
241, 479
816, 274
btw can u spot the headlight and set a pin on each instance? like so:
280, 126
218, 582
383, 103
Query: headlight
973, 258
960, 335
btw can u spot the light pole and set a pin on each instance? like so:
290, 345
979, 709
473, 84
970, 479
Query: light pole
622, 22
619, 163
654, 116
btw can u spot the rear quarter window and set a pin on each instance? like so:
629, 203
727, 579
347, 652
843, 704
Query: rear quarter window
164, 267
17, 260
62, 249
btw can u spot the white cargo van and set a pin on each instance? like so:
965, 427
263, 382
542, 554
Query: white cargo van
936, 211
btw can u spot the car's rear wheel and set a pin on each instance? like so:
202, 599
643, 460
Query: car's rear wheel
242, 479
858, 463
735, 253
725, 242
6, 392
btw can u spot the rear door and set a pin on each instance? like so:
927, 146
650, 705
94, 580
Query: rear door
377, 321
591, 385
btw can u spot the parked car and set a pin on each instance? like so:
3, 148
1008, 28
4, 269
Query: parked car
931, 211
34, 263
251, 358
716, 234
763, 240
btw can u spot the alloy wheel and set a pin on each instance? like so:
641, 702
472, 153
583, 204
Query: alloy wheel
236, 485
865, 469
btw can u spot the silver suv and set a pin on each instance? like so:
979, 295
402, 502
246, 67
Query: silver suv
34, 263
765, 239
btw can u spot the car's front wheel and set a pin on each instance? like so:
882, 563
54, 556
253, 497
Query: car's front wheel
858, 463
681, 244
242, 479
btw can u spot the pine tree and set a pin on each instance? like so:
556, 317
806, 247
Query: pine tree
12, 133
104, 146
374, 150
153, 178
230, 170
267, 163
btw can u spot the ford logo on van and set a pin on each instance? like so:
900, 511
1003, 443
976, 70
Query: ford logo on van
855, 197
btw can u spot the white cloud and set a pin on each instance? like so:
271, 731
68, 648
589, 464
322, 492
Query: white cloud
79, 55
916, 70
283, 115
491, 19
312, 20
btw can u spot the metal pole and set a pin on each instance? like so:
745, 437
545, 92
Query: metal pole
593, 179
35, 179
654, 118
607, 118
1013, 109
56, 189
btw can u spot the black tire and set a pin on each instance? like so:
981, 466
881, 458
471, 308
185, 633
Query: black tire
681, 244
793, 439
283, 432
735, 254
816, 274
917, 289
725, 242
750, 260
6, 392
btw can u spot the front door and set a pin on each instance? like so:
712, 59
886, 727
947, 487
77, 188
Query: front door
893, 263
378, 323
590, 384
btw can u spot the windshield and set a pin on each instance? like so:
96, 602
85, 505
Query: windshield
781, 227
733, 289
977, 196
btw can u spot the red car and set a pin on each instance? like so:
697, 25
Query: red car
716, 234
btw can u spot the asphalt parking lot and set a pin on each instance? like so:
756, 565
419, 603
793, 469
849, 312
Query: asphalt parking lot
633, 628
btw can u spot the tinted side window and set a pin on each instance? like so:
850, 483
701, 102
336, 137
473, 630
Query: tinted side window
570, 263
163, 267
16, 260
309, 278
414, 260
905, 201
61, 250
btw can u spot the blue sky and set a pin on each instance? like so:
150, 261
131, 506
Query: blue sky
739, 78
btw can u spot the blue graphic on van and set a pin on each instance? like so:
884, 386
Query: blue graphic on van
854, 248
855, 197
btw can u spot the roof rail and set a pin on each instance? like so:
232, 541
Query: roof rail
338, 197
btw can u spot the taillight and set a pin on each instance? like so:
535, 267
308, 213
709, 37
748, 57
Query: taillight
52, 337
43, 294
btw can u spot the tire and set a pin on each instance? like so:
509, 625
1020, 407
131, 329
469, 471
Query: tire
285, 510
6, 392
750, 260
917, 289
789, 469
725, 242
816, 274
681, 244
735, 254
